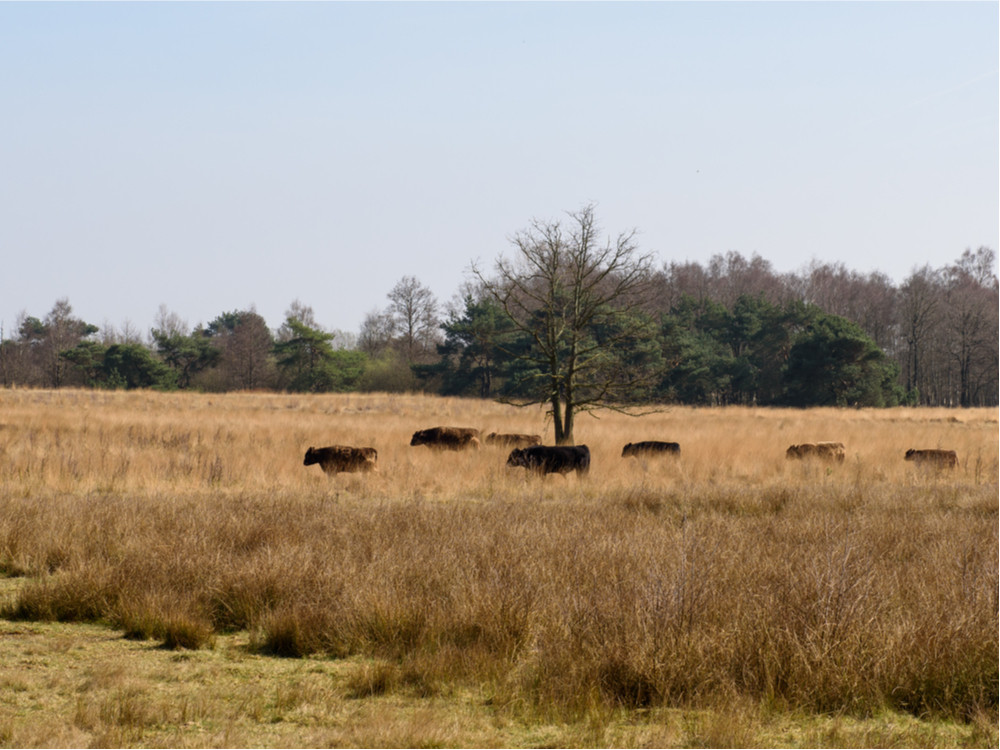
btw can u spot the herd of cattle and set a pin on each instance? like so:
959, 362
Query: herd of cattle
528, 452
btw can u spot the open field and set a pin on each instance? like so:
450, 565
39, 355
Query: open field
725, 598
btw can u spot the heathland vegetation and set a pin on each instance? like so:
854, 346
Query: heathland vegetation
724, 597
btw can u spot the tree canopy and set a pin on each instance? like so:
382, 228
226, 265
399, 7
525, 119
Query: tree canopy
574, 303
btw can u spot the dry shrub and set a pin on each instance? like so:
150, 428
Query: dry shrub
143, 619
377, 678
183, 630
80, 595
300, 630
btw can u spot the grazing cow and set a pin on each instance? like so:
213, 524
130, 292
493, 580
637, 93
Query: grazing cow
513, 440
336, 458
447, 438
825, 451
651, 448
933, 457
552, 459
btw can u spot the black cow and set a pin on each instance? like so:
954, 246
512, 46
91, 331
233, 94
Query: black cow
552, 459
447, 438
933, 457
651, 447
336, 458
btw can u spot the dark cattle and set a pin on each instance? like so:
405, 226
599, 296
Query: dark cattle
549, 459
336, 458
651, 448
933, 457
512, 440
825, 451
447, 438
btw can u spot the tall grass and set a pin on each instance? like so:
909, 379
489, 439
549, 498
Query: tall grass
728, 574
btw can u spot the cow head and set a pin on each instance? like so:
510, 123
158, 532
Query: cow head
517, 457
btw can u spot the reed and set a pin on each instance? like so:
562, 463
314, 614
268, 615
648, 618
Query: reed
727, 576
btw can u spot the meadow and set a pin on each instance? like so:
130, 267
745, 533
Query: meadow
174, 576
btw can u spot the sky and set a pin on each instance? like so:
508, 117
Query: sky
213, 157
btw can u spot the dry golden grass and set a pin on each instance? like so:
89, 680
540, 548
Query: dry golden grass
141, 442
729, 581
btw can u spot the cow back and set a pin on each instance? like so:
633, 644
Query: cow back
651, 448
450, 438
515, 440
933, 457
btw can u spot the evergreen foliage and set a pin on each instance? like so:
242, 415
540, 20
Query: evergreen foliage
833, 363
766, 354
306, 360
187, 355
471, 356
133, 366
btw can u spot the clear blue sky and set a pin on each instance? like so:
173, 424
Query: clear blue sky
210, 157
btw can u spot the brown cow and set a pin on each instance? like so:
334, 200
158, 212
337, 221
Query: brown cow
825, 451
933, 457
651, 448
447, 438
336, 458
512, 440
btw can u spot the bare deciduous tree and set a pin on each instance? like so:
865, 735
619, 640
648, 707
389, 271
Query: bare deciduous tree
413, 309
62, 332
169, 323
303, 314
377, 331
576, 303
920, 298
248, 351
970, 319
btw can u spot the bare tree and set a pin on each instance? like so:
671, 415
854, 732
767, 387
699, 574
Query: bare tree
248, 351
919, 300
727, 278
298, 312
676, 281
246, 361
732, 276
169, 323
108, 334
19, 355
970, 319
377, 331
576, 305
129, 333
62, 332
413, 309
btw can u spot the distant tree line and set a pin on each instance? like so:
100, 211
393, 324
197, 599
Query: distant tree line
732, 331
939, 328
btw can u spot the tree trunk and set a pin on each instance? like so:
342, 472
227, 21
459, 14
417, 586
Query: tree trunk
567, 437
557, 418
